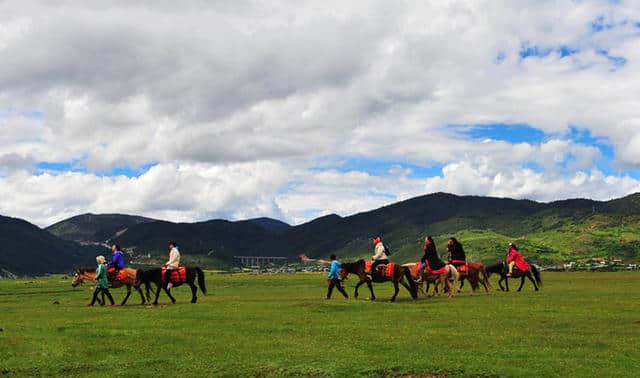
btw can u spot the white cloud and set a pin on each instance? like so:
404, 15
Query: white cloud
211, 92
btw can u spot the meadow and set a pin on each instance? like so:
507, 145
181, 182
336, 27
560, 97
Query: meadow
579, 324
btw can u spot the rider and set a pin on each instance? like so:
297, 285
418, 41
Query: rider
379, 255
172, 264
116, 262
430, 257
457, 256
334, 277
515, 258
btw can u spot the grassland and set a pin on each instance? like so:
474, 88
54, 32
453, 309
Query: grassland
579, 324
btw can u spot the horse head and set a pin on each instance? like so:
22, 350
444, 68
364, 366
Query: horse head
80, 276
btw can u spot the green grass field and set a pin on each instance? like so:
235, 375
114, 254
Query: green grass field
579, 324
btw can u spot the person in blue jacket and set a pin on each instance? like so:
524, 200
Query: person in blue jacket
334, 277
116, 262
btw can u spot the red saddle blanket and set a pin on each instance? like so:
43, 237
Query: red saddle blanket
385, 269
461, 265
121, 276
437, 272
177, 276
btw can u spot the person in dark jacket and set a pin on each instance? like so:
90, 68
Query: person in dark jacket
457, 256
430, 257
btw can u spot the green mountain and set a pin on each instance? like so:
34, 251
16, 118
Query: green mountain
27, 249
95, 228
548, 232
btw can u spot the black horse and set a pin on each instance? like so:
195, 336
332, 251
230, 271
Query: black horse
400, 273
501, 269
155, 276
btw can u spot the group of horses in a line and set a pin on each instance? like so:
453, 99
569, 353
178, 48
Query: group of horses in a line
408, 275
135, 278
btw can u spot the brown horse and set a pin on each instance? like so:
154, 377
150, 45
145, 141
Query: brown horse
131, 280
400, 273
443, 279
476, 273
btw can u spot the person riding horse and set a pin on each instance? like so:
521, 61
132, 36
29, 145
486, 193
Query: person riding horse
457, 256
430, 258
172, 264
379, 255
515, 258
116, 263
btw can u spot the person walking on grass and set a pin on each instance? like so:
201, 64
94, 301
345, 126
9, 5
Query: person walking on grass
102, 283
172, 264
334, 277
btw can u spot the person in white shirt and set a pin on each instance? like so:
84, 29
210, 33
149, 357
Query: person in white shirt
379, 255
172, 264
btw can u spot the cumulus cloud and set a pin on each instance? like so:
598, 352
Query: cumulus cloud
234, 103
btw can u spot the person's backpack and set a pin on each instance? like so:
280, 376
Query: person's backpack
387, 251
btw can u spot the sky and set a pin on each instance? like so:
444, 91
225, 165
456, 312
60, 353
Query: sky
195, 110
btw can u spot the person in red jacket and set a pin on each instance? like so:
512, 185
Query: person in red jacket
515, 258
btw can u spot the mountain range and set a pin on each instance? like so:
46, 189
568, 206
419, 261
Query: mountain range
547, 233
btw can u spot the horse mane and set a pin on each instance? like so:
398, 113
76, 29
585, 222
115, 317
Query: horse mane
86, 270
351, 265
495, 268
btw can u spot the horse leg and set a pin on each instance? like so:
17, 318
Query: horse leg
141, 295
373, 296
506, 282
157, 293
355, 294
124, 301
447, 284
483, 283
166, 290
533, 281
461, 284
194, 289
397, 290
521, 282
421, 288
406, 286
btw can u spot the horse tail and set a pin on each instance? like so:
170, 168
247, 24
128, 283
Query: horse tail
412, 283
485, 275
139, 277
200, 274
536, 274
454, 272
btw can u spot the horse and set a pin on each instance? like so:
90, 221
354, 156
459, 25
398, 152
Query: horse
476, 273
130, 280
443, 278
501, 269
156, 276
400, 273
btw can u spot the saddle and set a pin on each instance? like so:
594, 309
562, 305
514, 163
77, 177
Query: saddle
178, 276
382, 270
112, 276
436, 272
461, 265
